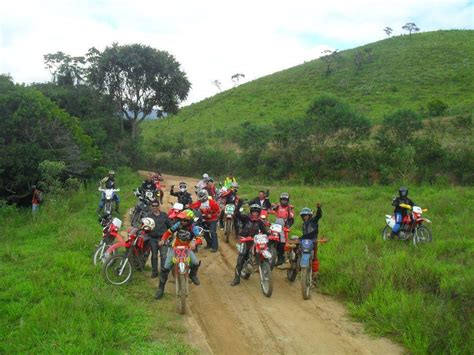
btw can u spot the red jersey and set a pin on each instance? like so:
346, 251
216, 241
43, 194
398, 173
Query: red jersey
210, 209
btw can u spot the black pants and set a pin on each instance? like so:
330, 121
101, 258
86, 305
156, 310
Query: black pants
243, 256
154, 255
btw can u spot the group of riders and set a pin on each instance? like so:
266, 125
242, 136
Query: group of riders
168, 230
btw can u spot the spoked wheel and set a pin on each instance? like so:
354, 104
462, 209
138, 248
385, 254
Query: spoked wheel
273, 250
306, 280
181, 293
422, 235
227, 229
292, 271
387, 233
266, 281
117, 269
99, 255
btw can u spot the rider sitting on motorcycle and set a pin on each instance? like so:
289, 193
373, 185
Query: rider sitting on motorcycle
147, 185
210, 212
310, 229
400, 212
251, 225
227, 197
108, 182
157, 178
285, 217
187, 234
183, 195
229, 180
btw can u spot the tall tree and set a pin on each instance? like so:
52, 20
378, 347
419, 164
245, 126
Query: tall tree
410, 27
236, 78
65, 69
330, 58
388, 31
139, 78
218, 84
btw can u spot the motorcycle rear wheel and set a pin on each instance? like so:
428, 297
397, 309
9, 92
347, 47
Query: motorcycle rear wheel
422, 235
306, 280
112, 267
386, 233
266, 281
292, 272
181, 289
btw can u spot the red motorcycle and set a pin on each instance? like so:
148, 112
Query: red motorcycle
176, 209
118, 268
110, 233
260, 257
273, 240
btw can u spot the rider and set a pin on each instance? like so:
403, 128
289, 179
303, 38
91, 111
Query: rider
210, 212
285, 217
310, 229
227, 197
202, 184
229, 180
262, 200
183, 195
157, 178
251, 225
148, 185
400, 212
162, 223
211, 187
187, 234
108, 182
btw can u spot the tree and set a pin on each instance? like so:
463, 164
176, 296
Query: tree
330, 57
218, 84
66, 70
139, 78
410, 27
236, 78
388, 31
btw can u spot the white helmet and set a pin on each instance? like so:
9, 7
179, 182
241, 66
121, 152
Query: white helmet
205, 176
148, 224
223, 189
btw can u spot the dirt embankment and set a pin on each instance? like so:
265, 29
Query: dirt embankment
241, 320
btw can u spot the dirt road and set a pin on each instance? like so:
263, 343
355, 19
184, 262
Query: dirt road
241, 320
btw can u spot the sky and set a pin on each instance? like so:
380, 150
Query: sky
212, 40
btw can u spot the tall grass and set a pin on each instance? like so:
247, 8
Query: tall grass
422, 297
53, 300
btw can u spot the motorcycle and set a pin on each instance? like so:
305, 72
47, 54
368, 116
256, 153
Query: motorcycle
109, 235
301, 255
176, 209
259, 258
181, 268
143, 205
118, 268
109, 200
411, 228
229, 211
273, 240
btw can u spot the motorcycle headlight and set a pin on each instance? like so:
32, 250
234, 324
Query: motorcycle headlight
266, 254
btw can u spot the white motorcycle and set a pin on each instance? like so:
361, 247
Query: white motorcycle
109, 198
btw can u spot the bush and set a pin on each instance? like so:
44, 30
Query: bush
437, 107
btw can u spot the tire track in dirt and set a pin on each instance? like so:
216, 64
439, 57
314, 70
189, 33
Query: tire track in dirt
241, 320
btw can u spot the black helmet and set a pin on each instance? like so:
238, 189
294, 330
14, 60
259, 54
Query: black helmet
255, 208
184, 235
403, 192
203, 195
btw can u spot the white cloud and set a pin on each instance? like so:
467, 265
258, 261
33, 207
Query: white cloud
211, 39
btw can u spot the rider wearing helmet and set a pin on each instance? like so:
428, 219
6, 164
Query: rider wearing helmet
108, 182
251, 225
227, 197
285, 217
400, 212
229, 180
148, 185
210, 212
187, 234
183, 195
310, 229
202, 184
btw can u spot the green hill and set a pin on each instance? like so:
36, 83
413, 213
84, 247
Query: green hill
393, 73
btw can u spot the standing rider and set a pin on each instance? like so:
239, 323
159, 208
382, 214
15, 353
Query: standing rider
400, 211
285, 217
210, 212
251, 225
162, 223
310, 230
262, 200
108, 182
183, 195
187, 234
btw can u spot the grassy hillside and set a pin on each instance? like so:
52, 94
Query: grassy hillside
53, 300
398, 73
422, 297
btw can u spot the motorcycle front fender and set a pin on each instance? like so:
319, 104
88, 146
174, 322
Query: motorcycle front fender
115, 246
305, 259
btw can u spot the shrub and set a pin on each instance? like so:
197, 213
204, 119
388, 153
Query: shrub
437, 107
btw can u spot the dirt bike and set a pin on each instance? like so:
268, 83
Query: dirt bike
181, 268
118, 268
109, 200
259, 258
411, 228
229, 211
109, 235
273, 240
143, 205
176, 209
301, 255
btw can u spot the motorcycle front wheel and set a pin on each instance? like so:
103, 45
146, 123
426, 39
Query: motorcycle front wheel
99, 253
266, 281
422, 235
387, 233
292, 272
228, 224
306, 280
181, 293
117, 270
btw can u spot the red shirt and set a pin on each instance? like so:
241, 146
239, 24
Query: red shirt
210, 211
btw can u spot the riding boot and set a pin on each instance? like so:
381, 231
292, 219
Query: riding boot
193, 274
238, 270
161, 287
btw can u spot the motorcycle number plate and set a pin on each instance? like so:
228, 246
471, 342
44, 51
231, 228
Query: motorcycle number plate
229, 209
260, 239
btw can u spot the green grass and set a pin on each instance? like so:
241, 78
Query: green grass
53, 300
402, 73
422, 297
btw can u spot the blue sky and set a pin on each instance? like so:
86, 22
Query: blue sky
212, 39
